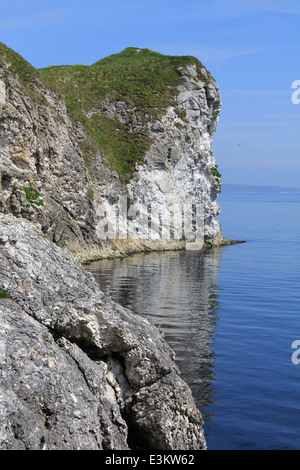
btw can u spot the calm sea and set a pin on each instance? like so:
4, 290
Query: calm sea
231, 315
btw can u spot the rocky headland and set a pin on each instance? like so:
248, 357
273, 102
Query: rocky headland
77, 143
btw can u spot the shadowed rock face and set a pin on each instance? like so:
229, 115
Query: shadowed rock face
78, 371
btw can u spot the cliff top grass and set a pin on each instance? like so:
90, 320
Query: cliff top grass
17, 65
144, 80
27, 75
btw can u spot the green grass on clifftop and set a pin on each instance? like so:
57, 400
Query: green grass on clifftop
144, 80
141, 78
17, 65
23, 71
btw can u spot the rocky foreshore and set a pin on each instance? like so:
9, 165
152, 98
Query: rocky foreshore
78, 371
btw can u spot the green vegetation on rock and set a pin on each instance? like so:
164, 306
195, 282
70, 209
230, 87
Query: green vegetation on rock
145, 81
17, 65
4, 295
22, 70
32, 195
215, 172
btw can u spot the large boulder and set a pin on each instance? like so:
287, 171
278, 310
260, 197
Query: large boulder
78, 371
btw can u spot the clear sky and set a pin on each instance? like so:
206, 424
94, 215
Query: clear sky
252, 48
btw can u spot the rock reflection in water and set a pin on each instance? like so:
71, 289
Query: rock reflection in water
177, 292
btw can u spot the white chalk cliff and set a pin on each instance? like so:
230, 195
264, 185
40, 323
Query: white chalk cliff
183, 174
42, 156
80, 156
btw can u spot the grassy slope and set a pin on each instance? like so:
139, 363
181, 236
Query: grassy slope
25, 72
146, 81
17, 65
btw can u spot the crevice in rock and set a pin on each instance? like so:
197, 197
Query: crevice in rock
136, 439
6, 181
47, 414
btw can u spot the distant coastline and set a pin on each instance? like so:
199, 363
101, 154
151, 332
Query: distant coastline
241, 188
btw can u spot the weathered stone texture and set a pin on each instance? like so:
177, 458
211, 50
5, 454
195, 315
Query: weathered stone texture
41, 148
78, 371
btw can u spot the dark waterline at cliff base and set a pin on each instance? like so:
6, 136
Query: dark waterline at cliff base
231, 315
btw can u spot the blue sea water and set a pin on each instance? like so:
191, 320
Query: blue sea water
257, 384
231, 315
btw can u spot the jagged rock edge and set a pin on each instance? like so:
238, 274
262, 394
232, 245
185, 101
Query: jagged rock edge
23, 305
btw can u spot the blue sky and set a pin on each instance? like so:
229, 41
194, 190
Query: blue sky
252, 48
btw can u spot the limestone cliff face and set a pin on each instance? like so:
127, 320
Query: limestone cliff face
178, 165
49, 177
38, 150
77, 370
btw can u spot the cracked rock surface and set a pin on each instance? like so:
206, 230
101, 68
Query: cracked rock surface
78, 371
42, 148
